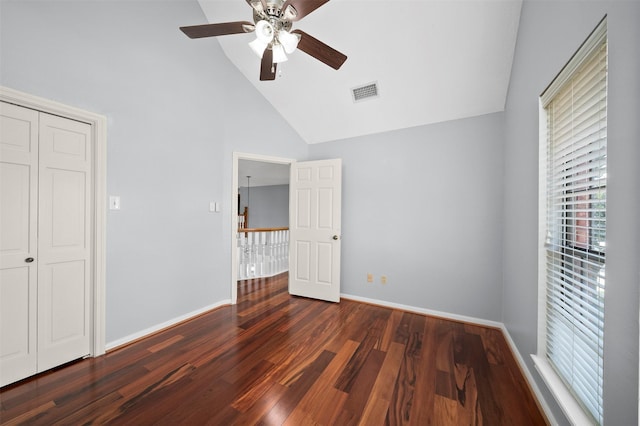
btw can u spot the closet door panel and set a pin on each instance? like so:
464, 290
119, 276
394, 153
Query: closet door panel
64, 241
18, 242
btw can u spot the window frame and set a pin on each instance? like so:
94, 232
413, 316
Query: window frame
572, 408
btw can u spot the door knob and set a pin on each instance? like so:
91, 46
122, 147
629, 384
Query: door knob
29, 259
336, 238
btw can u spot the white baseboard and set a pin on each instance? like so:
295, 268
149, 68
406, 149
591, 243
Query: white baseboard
154, 329
425, 311
532, 383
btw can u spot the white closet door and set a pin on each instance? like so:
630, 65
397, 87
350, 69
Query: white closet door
18, 242
64, 241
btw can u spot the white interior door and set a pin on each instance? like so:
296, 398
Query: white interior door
18, 242
314, 227
64, 241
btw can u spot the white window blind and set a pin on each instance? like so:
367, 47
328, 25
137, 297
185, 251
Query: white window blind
576, 168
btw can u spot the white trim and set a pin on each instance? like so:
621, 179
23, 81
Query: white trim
98, 125
424, 311
542, 228
162, 326
593, 40
570, 407
234, 210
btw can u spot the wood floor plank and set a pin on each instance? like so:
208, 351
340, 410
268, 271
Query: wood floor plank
270, 397
480, 383
276, 359
360, 389
329, 333
323, 401
298, 387
382, 391
28, 417
93, 411
390, 330
163, 345
445, 412
371, 339
424, 389
410, 332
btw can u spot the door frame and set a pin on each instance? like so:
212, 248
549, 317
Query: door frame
98, 125
237, 156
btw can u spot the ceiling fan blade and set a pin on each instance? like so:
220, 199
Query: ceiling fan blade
314, 47
302, 8
213, 30
267, 66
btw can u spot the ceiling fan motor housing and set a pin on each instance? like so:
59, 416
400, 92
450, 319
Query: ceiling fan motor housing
274, 14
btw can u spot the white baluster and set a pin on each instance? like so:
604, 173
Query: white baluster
260, 257
254, 254
274, 253
247, 256
242, 260
267, 254
239, 256
286, 250
272, 238
279, 251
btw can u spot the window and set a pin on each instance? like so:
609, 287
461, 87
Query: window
573, 165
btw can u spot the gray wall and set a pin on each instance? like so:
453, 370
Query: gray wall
550, 32
176, 110
423, 206
269, 205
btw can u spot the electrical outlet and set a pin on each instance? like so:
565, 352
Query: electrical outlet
369, 278
383, 279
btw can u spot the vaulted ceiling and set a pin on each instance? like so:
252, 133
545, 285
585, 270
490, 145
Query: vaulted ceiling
432, 61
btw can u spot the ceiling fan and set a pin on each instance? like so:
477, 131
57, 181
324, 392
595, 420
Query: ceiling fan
273, 20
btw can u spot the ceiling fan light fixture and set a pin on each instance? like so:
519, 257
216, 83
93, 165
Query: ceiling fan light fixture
258, 46
272, 25
264, 31
289, 41
278, 54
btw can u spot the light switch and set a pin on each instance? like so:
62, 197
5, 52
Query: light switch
214, 207
114, 202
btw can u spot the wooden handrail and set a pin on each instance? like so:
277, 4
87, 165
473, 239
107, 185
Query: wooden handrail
245, 230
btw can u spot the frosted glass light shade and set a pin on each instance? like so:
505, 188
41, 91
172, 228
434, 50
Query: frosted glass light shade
264, 31
289, 41
258, 47
278, 53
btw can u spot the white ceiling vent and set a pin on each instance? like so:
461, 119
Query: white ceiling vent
367, 91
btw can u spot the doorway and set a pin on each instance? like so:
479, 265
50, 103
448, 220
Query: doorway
239, 179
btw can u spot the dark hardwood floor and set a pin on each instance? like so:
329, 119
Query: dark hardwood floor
276, 359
